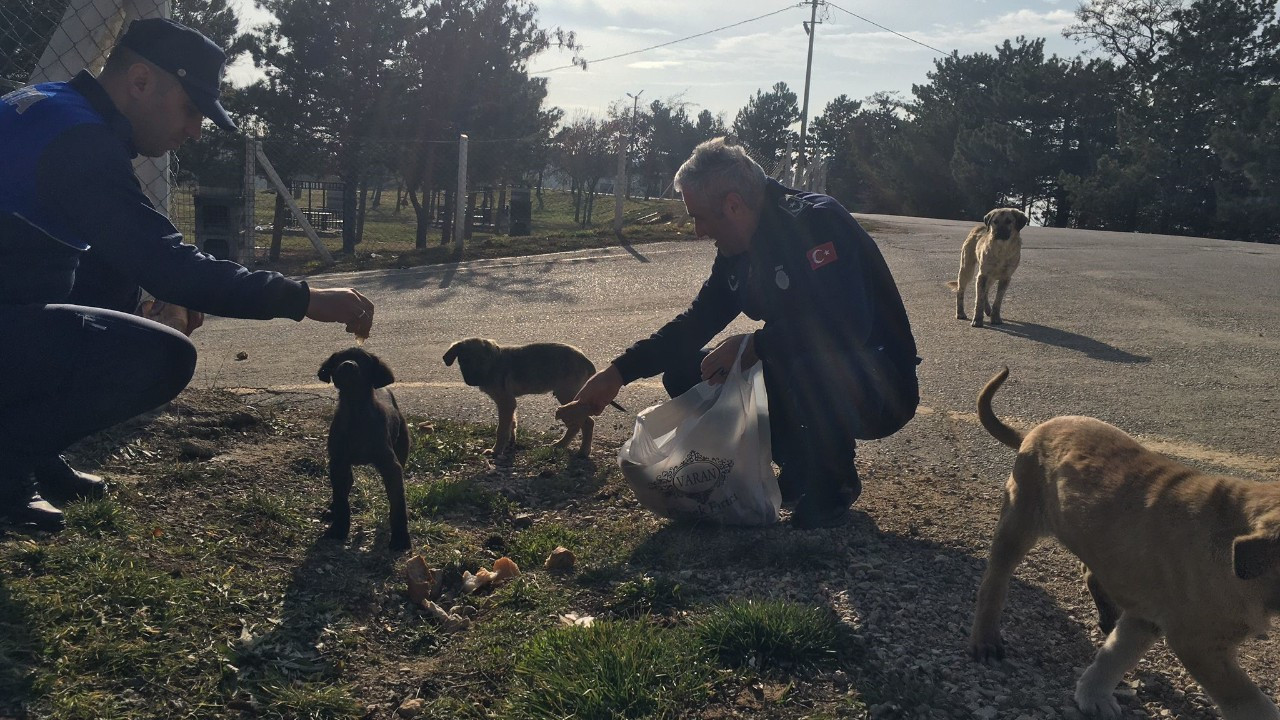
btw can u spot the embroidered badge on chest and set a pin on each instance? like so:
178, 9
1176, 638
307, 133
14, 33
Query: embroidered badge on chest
824, 254
781, 278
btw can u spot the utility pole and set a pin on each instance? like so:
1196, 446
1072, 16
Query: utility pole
810, 29
620, 180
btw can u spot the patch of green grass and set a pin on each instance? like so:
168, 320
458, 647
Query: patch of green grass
96, 517
454, 495
450, 446
101, 623
769, 635
647, 594
291, 699
268, 507
532, 546
609, 670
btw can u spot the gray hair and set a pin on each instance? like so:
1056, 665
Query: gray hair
717, 168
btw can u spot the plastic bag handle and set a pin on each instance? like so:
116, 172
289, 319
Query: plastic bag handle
742, 349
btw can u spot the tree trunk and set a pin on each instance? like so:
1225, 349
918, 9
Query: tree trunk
360, 210
277, 227
351, 186
446, 218
421, 212
428, 191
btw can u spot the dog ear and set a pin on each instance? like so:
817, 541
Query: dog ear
452, 353
986, 219
1022, 218
1253, 555
379, 372
326, 370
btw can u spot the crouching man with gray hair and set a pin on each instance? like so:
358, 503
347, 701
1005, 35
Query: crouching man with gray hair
839, 358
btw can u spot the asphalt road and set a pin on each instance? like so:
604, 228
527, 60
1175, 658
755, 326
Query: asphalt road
1176, 340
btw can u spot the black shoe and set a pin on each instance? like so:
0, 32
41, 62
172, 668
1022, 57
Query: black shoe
791, 485
61, 482
21, 504
822, 510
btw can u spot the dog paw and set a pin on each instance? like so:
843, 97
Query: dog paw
977, 323
988, 652
1097, 703
961, 316
400, 543
336, 532
995, 320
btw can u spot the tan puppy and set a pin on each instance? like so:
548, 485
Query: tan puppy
505, 373
1174, 551
992, 250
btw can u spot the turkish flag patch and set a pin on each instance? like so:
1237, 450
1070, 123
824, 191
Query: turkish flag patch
824, 254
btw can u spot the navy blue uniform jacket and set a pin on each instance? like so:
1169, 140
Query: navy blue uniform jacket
835, 329
71, 209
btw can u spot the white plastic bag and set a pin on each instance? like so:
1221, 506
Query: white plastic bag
705, 455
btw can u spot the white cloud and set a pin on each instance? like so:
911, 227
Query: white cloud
655, 64
639, 31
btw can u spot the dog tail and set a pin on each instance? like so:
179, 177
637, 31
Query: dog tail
998, 429
953, 284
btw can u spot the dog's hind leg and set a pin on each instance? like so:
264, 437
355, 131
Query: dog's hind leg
393, 481
967, 268
340, 480
1016, 533
994, 310
1095, 693
588, 429
1215, 667
1108, 613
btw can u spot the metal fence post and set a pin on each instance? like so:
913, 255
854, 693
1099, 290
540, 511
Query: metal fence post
250, 193
460, 206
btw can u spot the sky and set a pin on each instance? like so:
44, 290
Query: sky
720, 71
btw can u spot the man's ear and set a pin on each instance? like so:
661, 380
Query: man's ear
141, 80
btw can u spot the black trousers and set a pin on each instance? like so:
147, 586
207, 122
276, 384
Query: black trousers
811, 436
67, 371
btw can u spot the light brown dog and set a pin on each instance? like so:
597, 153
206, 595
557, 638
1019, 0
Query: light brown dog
1171, 550
505, 373
992, 251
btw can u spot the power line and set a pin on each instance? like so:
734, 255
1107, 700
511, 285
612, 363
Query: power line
673, 42
895, 32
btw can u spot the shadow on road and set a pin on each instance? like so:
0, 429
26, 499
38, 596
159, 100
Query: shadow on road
634, 253
1072, 341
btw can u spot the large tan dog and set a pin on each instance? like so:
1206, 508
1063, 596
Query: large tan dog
992, 250
505, 373
1173, 551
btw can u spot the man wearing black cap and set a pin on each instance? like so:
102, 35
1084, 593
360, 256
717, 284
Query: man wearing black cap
77, 240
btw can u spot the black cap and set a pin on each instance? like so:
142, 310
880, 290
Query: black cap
195, 59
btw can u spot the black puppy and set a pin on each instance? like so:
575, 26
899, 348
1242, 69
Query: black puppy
367, 429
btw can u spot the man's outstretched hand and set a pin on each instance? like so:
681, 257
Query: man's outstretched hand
344, 305
599, 390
